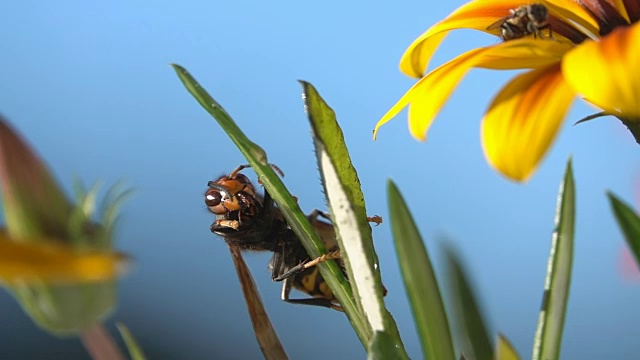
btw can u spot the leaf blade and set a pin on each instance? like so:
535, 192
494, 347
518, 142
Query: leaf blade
474, 336
548, 336
346, 201
420, 280
629, 223
135, 351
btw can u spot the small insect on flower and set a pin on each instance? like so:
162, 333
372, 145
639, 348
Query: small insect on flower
522, 21
249, 221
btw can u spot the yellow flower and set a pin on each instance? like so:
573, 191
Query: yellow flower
587, 48
48, 239
48, 262
55, 259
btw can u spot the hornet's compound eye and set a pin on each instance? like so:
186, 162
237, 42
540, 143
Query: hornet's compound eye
214, 200
212, 197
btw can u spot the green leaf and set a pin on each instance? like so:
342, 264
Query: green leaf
286, 203
548, 338
135, 351
328, 136
383, 346
346, 201
249, 149
419, 280
474, 338
629, 223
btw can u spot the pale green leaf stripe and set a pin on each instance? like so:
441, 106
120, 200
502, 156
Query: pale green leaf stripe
327, 132
286, 203
629, 223
419, 280
344, 195
326, 129
548, 336
360, 270
135, 351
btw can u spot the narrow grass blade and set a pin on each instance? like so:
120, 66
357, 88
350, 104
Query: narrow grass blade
629, 223
346, 201
286, 203
474, 337
135, 351
419, 280
548, 338
246, 146
265, 333
504, 349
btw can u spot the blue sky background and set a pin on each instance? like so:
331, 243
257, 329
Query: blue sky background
89, 85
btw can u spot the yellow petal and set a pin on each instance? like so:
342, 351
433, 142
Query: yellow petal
430, 93
606, 72
525, 53
43, 262
571, 12
397, 107
473, 15
619, 5
523, 120
415, 60
504, 349
422, 112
